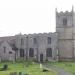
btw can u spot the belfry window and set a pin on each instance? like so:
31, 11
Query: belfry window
64, 21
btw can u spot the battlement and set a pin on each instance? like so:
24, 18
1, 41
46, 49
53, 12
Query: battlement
67, 13
61, 13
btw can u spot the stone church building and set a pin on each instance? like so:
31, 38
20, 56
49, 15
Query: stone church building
59, 45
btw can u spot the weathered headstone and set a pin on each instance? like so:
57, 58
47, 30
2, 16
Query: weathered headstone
40, 66
5, 67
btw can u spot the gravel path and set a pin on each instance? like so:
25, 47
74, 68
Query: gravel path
58, 70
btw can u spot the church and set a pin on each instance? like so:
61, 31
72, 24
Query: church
57, 46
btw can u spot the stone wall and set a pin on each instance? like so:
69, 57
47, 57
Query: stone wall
41, 45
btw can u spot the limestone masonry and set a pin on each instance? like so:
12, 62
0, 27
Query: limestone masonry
43, 46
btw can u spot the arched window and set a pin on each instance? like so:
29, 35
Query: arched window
21, 52
64, 21
31, 52
49, 52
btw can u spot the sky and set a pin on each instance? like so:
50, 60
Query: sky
30, 16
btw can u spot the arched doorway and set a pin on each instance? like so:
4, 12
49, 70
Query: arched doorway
41, 57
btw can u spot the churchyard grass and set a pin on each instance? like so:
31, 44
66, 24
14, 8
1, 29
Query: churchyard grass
31, 69
68, 66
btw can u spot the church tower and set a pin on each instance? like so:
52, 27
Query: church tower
65, 27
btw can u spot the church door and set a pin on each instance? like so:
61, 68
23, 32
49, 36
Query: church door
41, 57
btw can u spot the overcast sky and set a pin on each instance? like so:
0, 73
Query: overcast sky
30, 16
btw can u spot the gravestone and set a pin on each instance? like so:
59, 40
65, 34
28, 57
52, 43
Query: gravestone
41, 66
5, 67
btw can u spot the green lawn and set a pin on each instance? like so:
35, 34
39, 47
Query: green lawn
68, 66
32, 69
